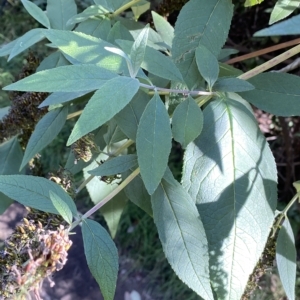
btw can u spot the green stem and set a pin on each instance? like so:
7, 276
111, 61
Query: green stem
124, 7
271, 63
107, 198
283, 214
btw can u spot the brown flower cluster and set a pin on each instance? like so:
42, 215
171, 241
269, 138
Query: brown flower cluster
82, 149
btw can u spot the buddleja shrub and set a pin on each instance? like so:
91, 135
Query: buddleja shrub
146, 87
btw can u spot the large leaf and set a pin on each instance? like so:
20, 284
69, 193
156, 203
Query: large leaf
276, 93
59, 12
36, 12
200, 22
129, 117
27, 40
114, 95
187, 122
44, 133
287, 27
282, 9
232, 85
102, 257
230, 172
34, 192
76, 78
153, 143
11, 156
182, 236
286, 258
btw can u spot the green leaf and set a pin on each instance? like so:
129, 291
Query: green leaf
6, 49
59, 12
97, 28
276, 93
287, 27
27, 40
91, 11
36, 13
140, 8
286, 259
129, 117
163, 28
114, 134
232, 85
227, 70
61, 207
11, 156
155, 62
108, 100
182, 236
102, 257
44, 133
252, 2
208, 65
187, 122
153, 143
230, 172
4, 111
226, 52
54, 60
115, 165
138, 50
106, 4
137, 193
119, 32
75, 78
211, 32
34, 191
282, 9
112, 212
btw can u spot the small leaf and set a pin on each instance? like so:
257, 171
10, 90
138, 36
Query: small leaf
140, 8
163, 28
138, 49
114, 134
36, 13
226, 52
208, 65
286, 259
45, 132
153, 143
59, 12
79, 78
232, 85
112, 212
112, 96
182, 236
119, 32
61, 207
33, 191
106, 4
187, 122
271, 94
102, 257
282, 9
115, 165
96, 28
54, 60
296, 185
252, 2
27, 40
6, 49
4, 111
228, 70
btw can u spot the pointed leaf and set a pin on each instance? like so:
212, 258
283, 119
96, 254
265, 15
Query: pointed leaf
252, 2
232, 85
106, 3
187, 122
211, 32
54, 60
36, 13
276, 93
112, 96
286, 258
102, 257
163, 28
115, 165
140, 8
230, 172
138, 49
76, 78
282, 9
129, 117
27, 40
208, 65
59, 12
45, 132
34, 191
119, 32
182, 236
97, 28
61, 207
112, 212
6, 49
227, 70
114, 134
153, 143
